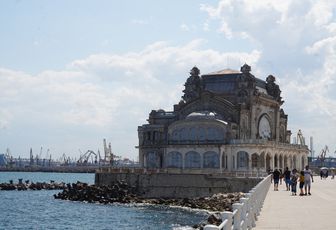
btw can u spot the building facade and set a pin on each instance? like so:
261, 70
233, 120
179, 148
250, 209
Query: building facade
226, 121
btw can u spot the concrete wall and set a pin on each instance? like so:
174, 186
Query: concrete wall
178, 185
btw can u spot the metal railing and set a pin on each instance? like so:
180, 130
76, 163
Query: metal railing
245, 212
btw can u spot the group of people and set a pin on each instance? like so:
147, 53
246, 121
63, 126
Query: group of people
325, 173
292, 178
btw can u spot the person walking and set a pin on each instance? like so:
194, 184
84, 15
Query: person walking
287, 176
332, 173
308, 179
276, 178
293, 179
302, 182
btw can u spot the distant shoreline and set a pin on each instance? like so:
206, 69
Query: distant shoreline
58, 169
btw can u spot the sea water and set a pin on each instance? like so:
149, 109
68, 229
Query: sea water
39, 209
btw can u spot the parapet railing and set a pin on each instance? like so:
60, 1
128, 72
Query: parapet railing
213, 172
245, 212
268, 143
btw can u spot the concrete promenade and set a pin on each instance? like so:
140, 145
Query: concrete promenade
283, 211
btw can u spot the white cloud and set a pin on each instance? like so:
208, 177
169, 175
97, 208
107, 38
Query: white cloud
105, 94
297, 43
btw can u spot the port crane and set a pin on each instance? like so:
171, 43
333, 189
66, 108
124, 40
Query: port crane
84, 158
65, 159
323, 153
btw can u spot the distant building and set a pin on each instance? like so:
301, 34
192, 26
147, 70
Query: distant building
226, 121
3, 160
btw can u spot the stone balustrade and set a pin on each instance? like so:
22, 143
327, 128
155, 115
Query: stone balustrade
245, 212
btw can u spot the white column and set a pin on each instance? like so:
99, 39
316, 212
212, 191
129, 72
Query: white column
145, 160
250, 162
272, 161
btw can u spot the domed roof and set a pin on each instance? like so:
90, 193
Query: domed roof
205, 115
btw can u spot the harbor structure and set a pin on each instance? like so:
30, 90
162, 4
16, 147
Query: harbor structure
226, 121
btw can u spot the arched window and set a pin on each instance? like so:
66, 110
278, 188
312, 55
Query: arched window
174, 160
264, 128
276, 161
242, 160
211, 160
286, 162
192, 160
201, 134
152, 160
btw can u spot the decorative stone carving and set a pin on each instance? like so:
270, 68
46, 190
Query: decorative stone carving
245, 68
192, 86
244, 129
246, 84
272, 88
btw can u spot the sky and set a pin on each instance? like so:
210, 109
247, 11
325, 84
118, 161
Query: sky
75, 72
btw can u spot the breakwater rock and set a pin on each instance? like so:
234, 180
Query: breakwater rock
123, 193
119, 192
32, 186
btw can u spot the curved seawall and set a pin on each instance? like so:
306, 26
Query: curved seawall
163, 185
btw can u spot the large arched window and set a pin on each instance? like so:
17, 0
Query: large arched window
242, 160
276, 161
264, 128
192, 160
152, 160
174, 160
211, 160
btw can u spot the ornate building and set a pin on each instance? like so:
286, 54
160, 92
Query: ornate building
228, 121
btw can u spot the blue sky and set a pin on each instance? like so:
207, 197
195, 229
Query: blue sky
75, 72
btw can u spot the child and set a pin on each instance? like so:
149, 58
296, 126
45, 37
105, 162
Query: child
294, 179
301, 179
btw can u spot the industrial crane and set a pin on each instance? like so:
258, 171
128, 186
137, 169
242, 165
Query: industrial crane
66, 160
84, 158
323, 153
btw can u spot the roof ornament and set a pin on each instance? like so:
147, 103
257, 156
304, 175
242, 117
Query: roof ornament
273, 89
245, 68
192, 86
194, 71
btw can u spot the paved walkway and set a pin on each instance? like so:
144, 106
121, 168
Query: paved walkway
283, 211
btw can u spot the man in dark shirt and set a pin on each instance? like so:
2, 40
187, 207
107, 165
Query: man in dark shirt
287, 175
276, 178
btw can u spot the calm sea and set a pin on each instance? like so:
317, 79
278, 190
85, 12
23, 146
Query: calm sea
39, 210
